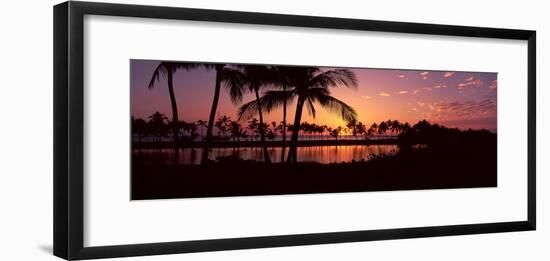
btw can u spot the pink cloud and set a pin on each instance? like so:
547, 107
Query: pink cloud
457, 110
493, 85
448, 74
470, 81
384, 94
403, 92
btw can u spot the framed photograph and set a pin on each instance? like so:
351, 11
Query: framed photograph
183, 130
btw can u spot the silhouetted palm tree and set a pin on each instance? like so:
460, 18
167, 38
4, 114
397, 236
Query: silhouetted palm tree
310, 85
253, 78
202, 124
405, 127
373, 129
223, 124
167, 70
188, 128
324, 129
139, 128
283, 81
253, 127
233, 81
335, 132
236, 131
361, 128
157, 125
352, 127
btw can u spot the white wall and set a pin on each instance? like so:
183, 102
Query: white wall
26, 129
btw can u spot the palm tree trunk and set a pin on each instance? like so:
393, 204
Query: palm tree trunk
292, 151
284, 128
175, 120
208, 140
262, 130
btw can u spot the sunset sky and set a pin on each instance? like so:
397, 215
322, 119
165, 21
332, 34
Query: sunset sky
454, 99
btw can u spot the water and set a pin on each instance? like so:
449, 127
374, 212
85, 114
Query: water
321, 154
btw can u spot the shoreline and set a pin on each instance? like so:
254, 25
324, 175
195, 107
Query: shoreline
240, 144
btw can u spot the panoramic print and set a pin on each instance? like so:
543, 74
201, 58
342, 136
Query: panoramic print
216, 130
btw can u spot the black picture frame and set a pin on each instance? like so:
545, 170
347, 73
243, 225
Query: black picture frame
69, 129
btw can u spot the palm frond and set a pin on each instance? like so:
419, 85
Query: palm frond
234, 82
160, 70
334, 78
346, 112
248, 110
271, 100
310, 108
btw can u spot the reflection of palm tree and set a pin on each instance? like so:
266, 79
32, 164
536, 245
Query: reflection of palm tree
310, 85
167, 70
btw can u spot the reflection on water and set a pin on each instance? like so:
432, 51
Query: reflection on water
321, 154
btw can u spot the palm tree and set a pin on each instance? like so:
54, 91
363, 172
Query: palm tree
373, 129
233, 82
382, 128
189, 128
323, 130
253, 127
138, 128
352, 127
236, 130
405, 127
157, 125
361, 128
335, 132
311, 85
253, 78
271, 133
281, 80
202, 124
223, 125
167, 70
